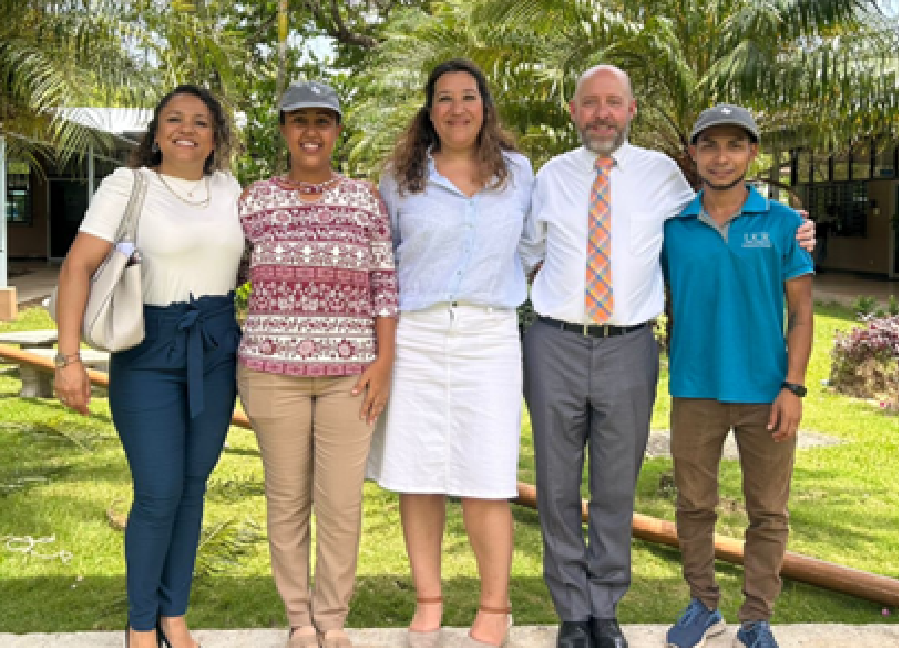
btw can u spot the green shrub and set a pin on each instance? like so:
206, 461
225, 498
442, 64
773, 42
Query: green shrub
242, 299
864, 306
865, 361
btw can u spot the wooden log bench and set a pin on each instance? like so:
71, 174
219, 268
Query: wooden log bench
38, 382
27, 340
33, 385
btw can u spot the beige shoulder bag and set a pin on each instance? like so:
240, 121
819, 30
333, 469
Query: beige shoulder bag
114, 313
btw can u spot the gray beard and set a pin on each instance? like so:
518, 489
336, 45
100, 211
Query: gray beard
603, 149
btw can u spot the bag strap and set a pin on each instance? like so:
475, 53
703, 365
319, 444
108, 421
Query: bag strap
128, 227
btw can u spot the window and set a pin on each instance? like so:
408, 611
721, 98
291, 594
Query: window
884, 160
18, 192
861, 160
840, 165
804, 167
821, 168
843, 206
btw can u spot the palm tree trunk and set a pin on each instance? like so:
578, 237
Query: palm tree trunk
281, 79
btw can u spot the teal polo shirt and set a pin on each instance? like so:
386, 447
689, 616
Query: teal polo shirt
727, 295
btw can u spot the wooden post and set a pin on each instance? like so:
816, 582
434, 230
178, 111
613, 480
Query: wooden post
8, 303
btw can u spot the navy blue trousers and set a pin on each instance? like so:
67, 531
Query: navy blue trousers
171, 399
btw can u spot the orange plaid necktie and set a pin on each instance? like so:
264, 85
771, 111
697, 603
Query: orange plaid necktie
599, 300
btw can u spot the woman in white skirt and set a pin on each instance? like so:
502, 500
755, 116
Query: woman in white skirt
457, 194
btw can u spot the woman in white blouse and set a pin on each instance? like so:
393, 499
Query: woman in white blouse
457, 194
172, 395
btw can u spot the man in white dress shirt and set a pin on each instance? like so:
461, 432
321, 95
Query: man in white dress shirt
592, 386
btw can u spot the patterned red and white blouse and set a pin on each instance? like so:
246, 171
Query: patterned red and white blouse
321, 273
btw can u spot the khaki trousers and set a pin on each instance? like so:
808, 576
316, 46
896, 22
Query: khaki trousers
698, 430
314, 447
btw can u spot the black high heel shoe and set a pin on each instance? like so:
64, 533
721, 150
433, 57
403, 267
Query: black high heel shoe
158, 635
161, 640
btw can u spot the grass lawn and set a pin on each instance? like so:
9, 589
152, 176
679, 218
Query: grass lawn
64, 477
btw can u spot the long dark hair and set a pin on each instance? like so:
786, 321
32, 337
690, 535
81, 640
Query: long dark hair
219, 158
408, 162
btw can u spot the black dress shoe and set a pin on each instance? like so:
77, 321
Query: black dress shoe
607, 634
574, 634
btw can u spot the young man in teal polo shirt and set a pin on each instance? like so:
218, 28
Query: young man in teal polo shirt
729, 258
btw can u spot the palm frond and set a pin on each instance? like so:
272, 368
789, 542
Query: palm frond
55, 55
224, 544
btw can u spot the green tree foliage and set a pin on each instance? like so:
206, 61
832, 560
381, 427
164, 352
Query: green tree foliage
818, 72
68, 53
390, 87
284, 39
821, 71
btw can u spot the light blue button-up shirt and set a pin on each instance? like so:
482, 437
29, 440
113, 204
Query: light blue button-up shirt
450, 247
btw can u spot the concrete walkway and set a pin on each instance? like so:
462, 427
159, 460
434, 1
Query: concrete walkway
790, 636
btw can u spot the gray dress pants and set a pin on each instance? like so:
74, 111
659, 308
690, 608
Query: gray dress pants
594, 394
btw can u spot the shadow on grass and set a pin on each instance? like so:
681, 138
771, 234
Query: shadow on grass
69, 603
241, 452
52, 408
836, 311
847, 517
229, 601
798, 602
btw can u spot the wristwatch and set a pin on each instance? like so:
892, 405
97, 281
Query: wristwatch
64, 360
795, 389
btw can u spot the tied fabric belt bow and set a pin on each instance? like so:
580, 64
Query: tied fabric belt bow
197, 340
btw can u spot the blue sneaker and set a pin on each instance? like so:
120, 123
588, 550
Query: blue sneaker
755, 635
694, 626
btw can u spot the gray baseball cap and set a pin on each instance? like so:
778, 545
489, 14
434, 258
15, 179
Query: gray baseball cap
309, 94
725, 114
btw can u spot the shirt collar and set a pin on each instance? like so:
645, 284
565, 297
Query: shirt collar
620, 156
754, 203
436, 178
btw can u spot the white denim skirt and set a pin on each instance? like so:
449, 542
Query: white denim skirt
453, 420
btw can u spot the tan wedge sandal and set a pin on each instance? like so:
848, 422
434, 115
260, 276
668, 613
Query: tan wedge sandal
426, 638
336, 638
471, 642
302, 637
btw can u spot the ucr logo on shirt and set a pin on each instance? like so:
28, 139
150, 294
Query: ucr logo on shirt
756, 240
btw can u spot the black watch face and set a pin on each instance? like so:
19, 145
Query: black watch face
798, 390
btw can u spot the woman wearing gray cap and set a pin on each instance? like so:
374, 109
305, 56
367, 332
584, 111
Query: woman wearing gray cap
315, 358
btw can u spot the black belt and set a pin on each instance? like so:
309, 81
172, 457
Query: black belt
590, 330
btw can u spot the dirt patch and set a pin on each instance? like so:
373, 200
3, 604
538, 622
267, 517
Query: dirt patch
658, 445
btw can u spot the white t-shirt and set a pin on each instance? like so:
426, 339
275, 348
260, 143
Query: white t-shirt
185, 249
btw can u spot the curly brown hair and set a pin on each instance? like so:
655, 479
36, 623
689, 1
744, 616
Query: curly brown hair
408, 162
218, 159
